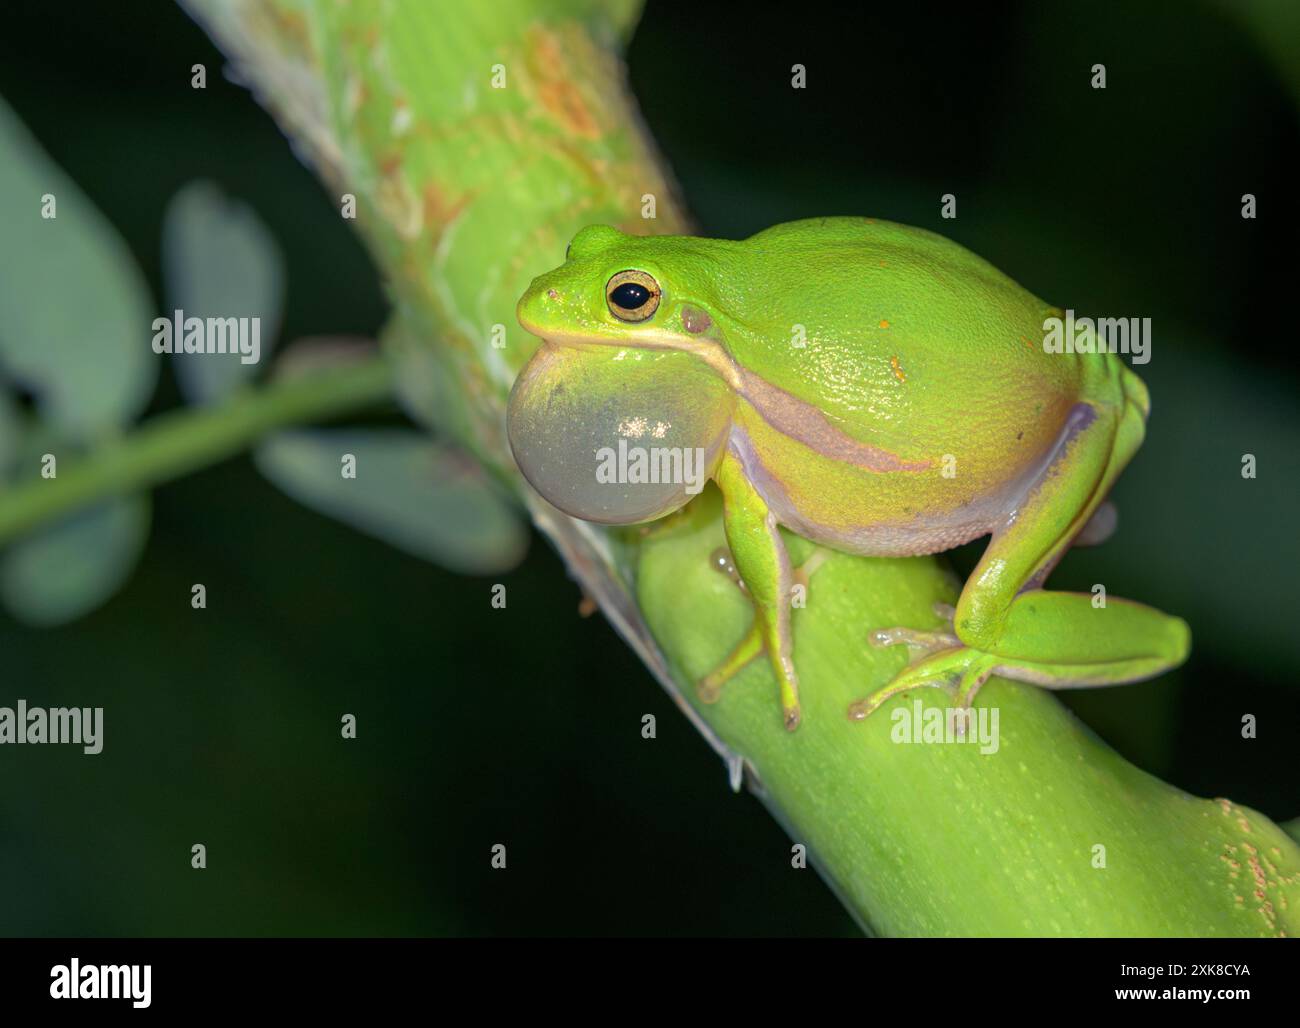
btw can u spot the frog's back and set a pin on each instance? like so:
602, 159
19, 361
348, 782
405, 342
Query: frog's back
906, 341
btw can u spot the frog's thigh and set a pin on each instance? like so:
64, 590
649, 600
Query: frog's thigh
762, 562
1056, 637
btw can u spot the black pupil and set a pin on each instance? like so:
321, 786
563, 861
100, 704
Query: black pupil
630, 296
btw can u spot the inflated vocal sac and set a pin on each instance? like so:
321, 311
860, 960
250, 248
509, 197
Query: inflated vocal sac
617, 435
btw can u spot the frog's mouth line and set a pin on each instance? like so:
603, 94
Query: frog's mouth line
653, 339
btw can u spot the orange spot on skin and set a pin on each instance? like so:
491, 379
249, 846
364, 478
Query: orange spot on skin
898, 370
884, 324
1027, 342
883, 264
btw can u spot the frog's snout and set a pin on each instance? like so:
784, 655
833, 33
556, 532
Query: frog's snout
529, 308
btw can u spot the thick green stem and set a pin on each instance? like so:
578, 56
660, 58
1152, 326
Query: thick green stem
477, 138
185, 440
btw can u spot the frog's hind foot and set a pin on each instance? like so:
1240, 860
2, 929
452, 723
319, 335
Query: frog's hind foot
958, 670
926, 642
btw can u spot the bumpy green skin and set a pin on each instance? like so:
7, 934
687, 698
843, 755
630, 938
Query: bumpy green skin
874, 388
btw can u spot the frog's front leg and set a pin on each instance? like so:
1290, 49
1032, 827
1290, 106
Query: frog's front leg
1008, 625
764, 566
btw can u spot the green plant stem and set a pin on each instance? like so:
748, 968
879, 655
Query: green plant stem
185, 440
477, 139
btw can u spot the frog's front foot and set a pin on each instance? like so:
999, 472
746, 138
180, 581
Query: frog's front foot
956, 668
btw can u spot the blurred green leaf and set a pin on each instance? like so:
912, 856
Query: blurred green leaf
219, 261
65, 571
426, 499
74, 308
10, 433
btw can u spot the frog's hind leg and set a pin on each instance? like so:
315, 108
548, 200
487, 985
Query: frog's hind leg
1100, 527
1010, 626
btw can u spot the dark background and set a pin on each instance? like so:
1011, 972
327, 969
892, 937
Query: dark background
522, 726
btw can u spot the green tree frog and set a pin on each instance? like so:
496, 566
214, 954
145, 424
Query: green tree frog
875, 388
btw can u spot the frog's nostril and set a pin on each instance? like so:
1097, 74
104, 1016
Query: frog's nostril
552, 294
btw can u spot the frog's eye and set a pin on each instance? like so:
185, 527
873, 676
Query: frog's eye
632, 295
